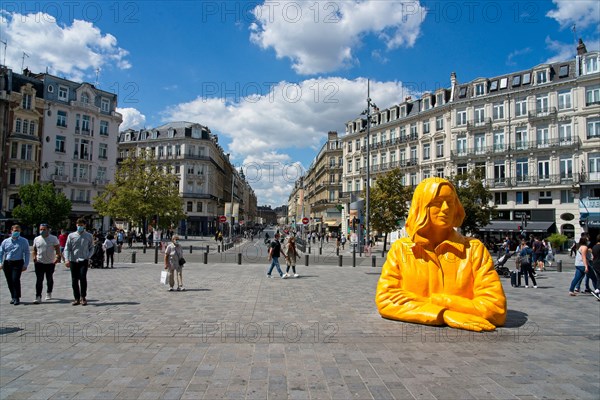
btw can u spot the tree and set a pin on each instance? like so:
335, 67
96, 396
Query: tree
40, 203
388, 202
475, 199
142, 190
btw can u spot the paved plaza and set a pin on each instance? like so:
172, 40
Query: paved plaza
236, 334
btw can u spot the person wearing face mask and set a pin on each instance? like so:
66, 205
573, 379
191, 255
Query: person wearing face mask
78, 250
46, 254
14, 259
174, 253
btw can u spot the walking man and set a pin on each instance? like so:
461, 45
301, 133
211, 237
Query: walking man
14, 258
78, 250
46, 254
274, 254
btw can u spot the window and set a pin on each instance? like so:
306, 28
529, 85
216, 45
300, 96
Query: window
563, 71
498, 111
85, 123
503, 83
393, 157
439, 149
403, 133
26, 103
462, 92
12, 178
25, 125
439, 122
479, 115
357, 165
103, 151
413, 154
104, 128
413, 130
480, 170
426, 104
542, 136
26, 152
522, 169
461, 146
18, 124
564, 100
516, 81
199, 206
541, 104
590, 65
426, 151
592, 95
480, 143
494, 86
544, 170
461, 169
480, 89
521, 138
190, 205
439, 99
101, 175
593, 127
105, 105
567, 196
565, 135
499, 141
566, 168
461, 117
499, 172
26, 177
349, 147
14, 150
594, 166
522, 198
541, 77
63, 93
60, 144
413, 179
520, 107
61, 119
545, 197
500, 198
526, 78
169, 151
85, 99
426, 126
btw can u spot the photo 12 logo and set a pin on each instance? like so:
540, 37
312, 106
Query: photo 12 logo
92, 11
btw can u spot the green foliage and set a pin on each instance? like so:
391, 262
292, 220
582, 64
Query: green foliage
142, 189
557, 240
40, 203
389, 201
475, 199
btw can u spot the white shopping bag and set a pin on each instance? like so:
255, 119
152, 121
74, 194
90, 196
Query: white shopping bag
163, 277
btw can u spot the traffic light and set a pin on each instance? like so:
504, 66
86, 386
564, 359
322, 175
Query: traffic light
519, 228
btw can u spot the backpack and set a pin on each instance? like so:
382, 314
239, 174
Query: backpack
525, 256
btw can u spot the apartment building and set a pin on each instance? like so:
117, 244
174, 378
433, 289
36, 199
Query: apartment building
316, 194
208, 180
533, 135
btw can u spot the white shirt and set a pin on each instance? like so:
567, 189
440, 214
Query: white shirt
46, 253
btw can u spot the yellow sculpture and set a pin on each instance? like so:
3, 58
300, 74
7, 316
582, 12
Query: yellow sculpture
437, 276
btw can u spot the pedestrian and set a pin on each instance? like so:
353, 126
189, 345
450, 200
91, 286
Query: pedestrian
129, 238
14, 259
109, 247
78, 250
343, 240
62, 241
538, 254
338, 243
46, 254
526, 256
274, 254
120, 238
173, 262
292, 256
583, 260
596, 265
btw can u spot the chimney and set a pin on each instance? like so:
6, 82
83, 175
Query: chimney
453, 83
581, 50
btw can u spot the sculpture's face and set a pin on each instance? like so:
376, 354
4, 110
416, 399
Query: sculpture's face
440, 208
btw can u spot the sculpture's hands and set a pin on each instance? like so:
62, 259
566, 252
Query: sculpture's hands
468, 322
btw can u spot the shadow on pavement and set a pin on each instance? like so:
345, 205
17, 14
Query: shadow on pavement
515, 319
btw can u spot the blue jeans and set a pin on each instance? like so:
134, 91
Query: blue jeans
275, 263
579, 274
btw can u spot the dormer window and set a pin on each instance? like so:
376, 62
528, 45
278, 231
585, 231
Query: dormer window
526, 78
494, 86
516, 81
85, 99
480, 89
439, 99
127, 137
503, 83
426, 103
463, 92
154, 134
541, 77
171, 133
590, 65
63, 93
105, 105
563, 71
402, 111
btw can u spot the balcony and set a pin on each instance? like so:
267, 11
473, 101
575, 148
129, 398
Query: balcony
80, 200
485, 123
84, 179
535, 180
101, 182
543, 114
85, 106
59, 178
351, 195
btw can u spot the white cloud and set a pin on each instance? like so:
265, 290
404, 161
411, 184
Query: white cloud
268, 130
567, 51
132, 118
516, 53
74, 50
320, 36
582, 13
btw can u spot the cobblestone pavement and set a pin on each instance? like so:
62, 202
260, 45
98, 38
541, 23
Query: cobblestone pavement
236, 334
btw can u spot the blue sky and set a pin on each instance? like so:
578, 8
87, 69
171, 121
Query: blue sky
271, 78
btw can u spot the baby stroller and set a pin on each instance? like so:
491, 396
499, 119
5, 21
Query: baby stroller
499, 266
97, 258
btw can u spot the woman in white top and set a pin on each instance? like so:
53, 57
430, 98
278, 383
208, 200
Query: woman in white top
173, 256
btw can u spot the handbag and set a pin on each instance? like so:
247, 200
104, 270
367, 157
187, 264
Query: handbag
181, 261
163, 277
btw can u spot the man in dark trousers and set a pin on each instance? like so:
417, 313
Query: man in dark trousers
274, 254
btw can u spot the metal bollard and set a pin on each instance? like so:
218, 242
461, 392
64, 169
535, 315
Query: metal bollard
205, 258
144, 249
559, 266
373, 261
320, 251
207, 248
308, 249
340, 261
155, 254
354, 256
337, 251
239, 258
190, 249
306, 260
133, 257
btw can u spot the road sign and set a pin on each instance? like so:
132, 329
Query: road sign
222, 218
305, 220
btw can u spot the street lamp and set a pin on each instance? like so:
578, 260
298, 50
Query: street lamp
367, 112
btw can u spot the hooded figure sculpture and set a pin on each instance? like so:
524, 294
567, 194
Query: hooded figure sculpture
436, 276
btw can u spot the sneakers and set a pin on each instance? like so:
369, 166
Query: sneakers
178, 288
17, 302
296, 275
38, 300
587, 291
596, 294
535, 286
572, 294
75, 303
576, 290
83, 302
269, 276
526, 286
182, 289
48, 296
12, 301
284, 276
170, 289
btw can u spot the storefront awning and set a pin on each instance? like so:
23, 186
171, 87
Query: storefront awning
332, 223
513, 226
